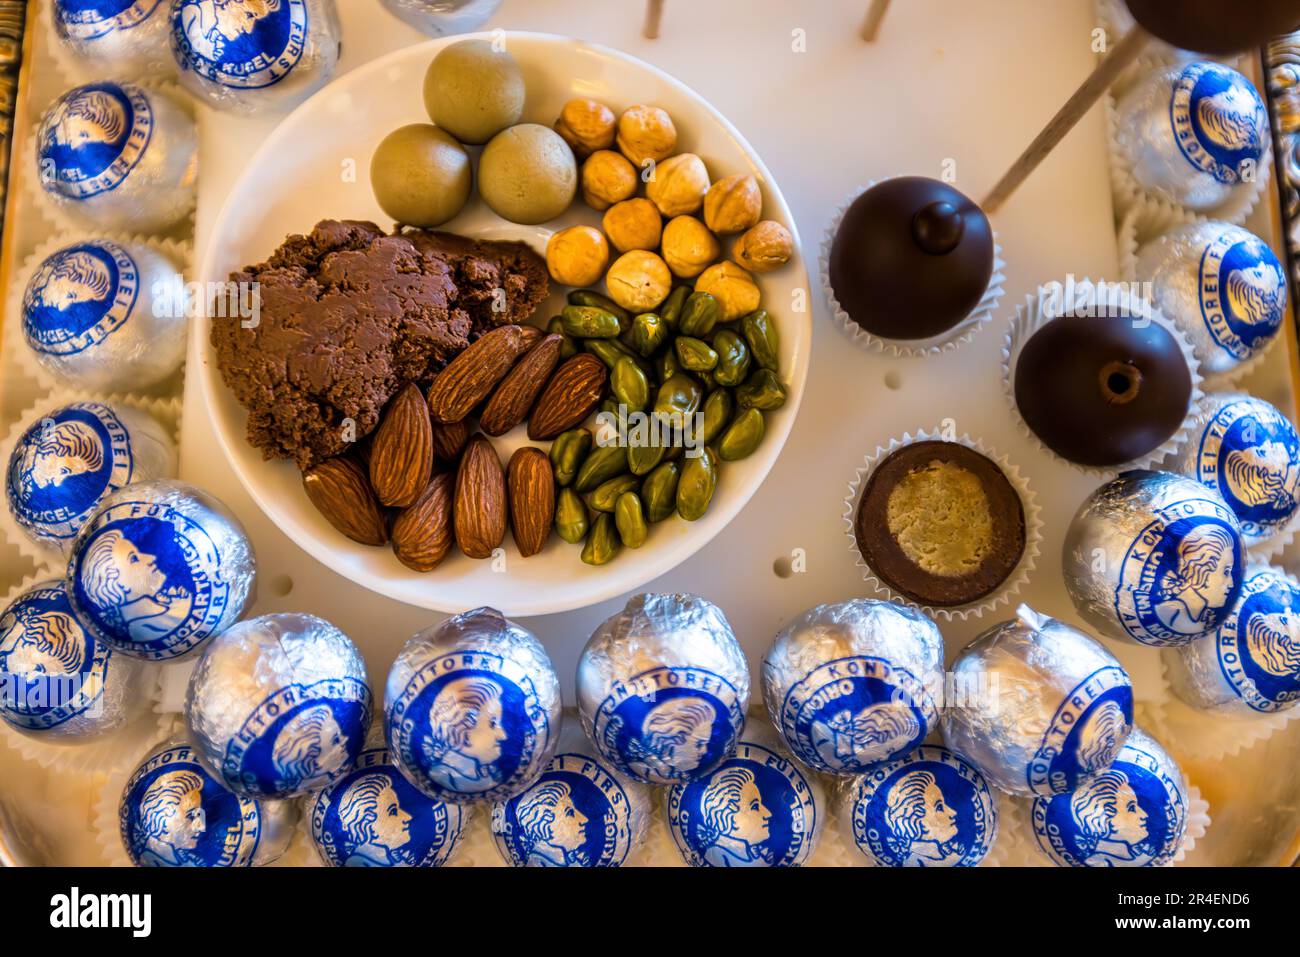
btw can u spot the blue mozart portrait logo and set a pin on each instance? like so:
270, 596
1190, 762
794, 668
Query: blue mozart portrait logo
575, 815
668, 724
93, 138
146, 575
754, 810
51, 670
374, 817
1259, 646
173, 814
1250, 453
64, 464
1085, 734
79, 297
470, 722
1242, 293
929, 809
93, 19
1219, 121
851, 713
240, 43
300, 738
1181, 573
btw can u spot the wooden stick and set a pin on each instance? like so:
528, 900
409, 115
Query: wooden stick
654, 13
1107, 72
875, 13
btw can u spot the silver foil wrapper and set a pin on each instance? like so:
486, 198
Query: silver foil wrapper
173, 813
851, 684
472, 708
118, 157
1251, 665
1153, 557
758, 808
440, 18
1037, 706
581, 812
663, 687
160, 568
122, 39
107, 316
1193, 132
1248, 452
251, 56
279, 706
70, 458
928, 808
1133, 814
57, 683
1222, 286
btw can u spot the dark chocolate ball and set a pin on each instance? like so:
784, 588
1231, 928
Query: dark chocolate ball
911, 259
1212, 26
1102, 390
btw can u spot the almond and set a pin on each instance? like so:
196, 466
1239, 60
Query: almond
401, 454
532, 499
472, 375
518, 390
480, 512
340, 491
422, 534
449, 440
568, 398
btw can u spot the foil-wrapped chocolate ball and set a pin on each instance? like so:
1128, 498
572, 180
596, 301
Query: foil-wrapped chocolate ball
1037, 706
1222, 286
278, 706
472, 708
122, 38
440, 18
1154, 558
852, 684
1248, 452
160, 568
1251, 665
1191, 133
1132, 814
173, 813
758, 808
374, 817
663, 687
248, 56
103, 316
580, 812
58, 684
70, 458
929, 808
118, 156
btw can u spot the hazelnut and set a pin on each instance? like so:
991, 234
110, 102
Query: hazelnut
677, 185
633, 224
733, 204
607, 178
734, 289
577, 256
639, 281
765, 247
586, 125
688, 246
646, 133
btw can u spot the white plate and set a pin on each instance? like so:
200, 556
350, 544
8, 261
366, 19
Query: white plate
315, 166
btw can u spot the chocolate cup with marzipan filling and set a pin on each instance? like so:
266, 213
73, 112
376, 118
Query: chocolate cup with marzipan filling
940, 523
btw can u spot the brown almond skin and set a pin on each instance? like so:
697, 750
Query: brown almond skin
571, 395
401, 454
532, 499
480, 511
339, 489
519, 389
449, 440
471, 376
422, 534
